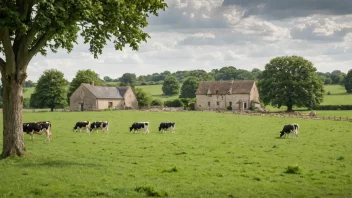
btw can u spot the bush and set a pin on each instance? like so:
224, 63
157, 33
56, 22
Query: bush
333, 107
157, 102
229, 108
251, 107
329, 92
293, 169
174, 103
26, 102
192, 106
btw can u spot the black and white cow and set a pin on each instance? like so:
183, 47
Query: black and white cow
167, 125
290, 129
103, 125
37, 128
82, 125
140, 125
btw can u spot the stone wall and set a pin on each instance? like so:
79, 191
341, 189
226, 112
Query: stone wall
130, 99
213, 102
116, 104
82, 95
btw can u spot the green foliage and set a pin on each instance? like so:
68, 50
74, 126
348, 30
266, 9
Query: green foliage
288, 81
229, 108
171, 86
29, 83
174, 103
83, 76
143, 98
128, 78
157, 102
26, 103
293, 169
189, 87
348, 81
333, 107
107, 79
50, 91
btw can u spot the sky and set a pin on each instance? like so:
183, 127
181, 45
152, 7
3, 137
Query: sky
210, 34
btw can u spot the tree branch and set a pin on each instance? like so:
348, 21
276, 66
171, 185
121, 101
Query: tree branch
9, 55
2, 65
39, 45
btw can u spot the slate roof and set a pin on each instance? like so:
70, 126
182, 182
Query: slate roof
106, 92
225, 87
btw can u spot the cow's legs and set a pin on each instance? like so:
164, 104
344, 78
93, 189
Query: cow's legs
31, 136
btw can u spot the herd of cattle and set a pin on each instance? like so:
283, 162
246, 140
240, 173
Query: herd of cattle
45, 126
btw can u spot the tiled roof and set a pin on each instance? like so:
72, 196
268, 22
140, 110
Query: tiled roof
106, 92
225, 87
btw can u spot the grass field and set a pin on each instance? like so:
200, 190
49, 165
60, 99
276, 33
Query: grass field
156, 92
209, 155
338, 96
28, 92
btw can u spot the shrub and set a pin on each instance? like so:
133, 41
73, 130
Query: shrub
333, 107
229, 108
157, 102
251, 107
174, 103
293, 169
329, 92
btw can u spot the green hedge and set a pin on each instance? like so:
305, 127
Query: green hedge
333, 107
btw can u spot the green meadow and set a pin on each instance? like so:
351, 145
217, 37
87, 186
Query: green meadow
156, 92
209, 155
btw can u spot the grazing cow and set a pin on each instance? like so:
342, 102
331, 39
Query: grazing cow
37, 128
167, 125
290, 129
140, 125
82, 125
103, 125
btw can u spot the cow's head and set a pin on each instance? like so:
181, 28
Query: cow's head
282, 133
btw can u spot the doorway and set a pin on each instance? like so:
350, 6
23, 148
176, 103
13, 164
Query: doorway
82, 106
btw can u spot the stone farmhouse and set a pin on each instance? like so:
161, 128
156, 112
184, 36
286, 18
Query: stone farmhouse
239, 94
89, 97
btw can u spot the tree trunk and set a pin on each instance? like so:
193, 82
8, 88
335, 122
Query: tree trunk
13, 141
289, 108
52, 109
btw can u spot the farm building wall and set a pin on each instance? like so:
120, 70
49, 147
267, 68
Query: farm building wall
255, 95
82, 96
213, 102
130, 99
110, 104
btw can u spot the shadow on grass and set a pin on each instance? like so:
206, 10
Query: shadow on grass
56, 163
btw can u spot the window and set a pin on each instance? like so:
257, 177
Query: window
245, 105
209, 104
230, 104
218, 103
110, 104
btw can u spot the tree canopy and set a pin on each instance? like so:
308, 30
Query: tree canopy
290, 81
143, 98
348, 81
171, 86
128, 78
83, 76
31, 27
189, 87
50, 91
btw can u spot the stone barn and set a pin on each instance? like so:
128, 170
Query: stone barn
239, 94
89, 97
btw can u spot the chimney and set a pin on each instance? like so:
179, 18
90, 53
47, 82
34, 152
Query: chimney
92, 83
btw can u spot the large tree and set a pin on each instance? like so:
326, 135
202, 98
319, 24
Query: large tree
29, 27
50, 91
83, 76
289, 81
128, 78
189, 87
143, 98
171, 86
348, 81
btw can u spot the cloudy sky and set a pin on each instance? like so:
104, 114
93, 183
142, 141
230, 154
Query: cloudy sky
207, 34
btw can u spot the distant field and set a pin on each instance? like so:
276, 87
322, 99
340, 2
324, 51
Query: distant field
338, 96
27, 94
156, 92
209, 155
